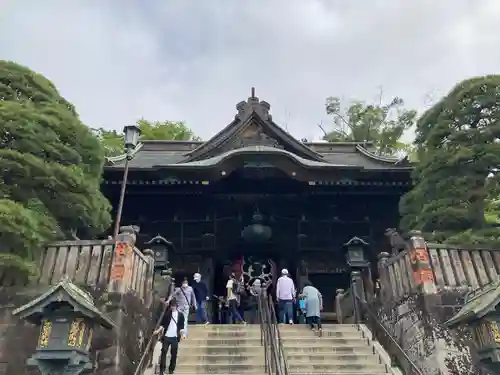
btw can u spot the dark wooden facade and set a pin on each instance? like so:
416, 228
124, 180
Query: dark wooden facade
314, 197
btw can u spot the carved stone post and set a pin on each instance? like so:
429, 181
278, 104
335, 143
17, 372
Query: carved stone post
421, 266
385, 288
358, 294
338, 309
149, 277
122, 261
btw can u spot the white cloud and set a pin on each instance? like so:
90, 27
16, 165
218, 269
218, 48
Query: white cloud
192, 60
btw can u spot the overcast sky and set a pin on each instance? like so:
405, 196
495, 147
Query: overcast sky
193, 60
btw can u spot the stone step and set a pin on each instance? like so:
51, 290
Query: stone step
327, 350
296, 334
334, 373
326, 362
337, 368
233, 368
227, 326
220, 349
224, 358
326, 327
334, 357
193, 341
217, 334
323, 341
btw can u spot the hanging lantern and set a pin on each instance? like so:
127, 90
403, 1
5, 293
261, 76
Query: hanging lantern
256, 232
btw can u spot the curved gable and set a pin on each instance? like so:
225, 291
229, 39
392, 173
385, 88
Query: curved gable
252, 125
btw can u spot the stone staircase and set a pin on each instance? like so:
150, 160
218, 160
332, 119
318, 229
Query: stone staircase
343, 350
218, 349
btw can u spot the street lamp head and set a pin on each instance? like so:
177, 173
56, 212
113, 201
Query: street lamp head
132, 133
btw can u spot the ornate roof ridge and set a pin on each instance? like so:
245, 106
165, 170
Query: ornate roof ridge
214, 160
252, 109
339, 143
167, 141
384, 159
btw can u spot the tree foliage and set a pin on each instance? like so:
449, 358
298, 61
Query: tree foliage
382, 124
51, 169
455, 196
150, 130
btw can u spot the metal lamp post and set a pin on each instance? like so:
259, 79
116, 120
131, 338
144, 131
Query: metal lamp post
131, 138
68, 317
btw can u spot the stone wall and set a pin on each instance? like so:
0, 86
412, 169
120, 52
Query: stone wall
420, 288
417, 323
423, 286
113, 352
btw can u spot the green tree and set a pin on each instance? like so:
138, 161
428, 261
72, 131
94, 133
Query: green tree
382, 124
150, 130
457, 170
51, 169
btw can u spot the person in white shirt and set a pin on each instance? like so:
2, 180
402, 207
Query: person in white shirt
232, 289
285, 294
172, 327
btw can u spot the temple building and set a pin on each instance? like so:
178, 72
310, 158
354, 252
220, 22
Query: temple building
255, 199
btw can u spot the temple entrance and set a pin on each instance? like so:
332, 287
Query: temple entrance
250, 262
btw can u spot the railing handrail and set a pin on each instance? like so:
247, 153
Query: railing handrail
264, 335
281, 350
153, 338
273, 353
401, 352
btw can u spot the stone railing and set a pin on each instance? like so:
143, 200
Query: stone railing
344, 306
437, 266
94, 263
421, 288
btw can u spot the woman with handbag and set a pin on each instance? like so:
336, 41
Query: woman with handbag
186, 301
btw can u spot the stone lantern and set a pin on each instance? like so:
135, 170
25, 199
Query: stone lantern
355, 253
160, 247
360, 268
68, 317
481, 315
163, 282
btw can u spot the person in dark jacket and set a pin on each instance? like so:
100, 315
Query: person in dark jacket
172, 330
201, 295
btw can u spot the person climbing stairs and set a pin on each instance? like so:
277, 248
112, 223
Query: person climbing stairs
218, 349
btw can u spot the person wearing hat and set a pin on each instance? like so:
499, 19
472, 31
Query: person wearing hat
285, 294
201, 294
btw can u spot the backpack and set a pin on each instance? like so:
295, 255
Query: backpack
238, 288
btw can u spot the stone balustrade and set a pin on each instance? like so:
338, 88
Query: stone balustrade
94, 263
451, 268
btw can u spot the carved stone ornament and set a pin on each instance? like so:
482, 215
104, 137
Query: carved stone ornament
397, 242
